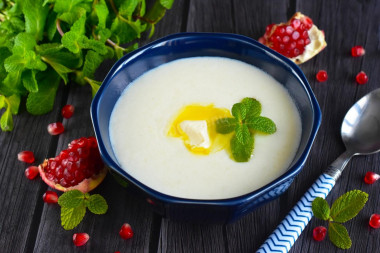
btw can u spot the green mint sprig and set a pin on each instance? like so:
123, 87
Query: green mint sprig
45, 41
343, 209
244, 124
73, 207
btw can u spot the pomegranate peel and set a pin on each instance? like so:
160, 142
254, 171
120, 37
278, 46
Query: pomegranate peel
77, 168
298, 39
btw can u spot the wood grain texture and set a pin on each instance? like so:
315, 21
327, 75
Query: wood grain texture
20, 198
29, 225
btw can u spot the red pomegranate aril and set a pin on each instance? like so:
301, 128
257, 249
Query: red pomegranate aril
374, 220
361, 78
67, 111
322, 76
296, 23
126, 231
55, 128
357, 51
31, 172
319, 233
50, 197
26, 156
80, 239
371, 177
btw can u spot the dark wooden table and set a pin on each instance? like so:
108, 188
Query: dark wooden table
29, 225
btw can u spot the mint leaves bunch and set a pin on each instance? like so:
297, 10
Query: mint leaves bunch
343, 209
73, 207
244, 124
45, 41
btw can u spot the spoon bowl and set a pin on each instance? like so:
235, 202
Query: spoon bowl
361, 126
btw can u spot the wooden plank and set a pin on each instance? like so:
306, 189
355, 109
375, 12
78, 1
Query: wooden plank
123, 206
20, 198
190, 237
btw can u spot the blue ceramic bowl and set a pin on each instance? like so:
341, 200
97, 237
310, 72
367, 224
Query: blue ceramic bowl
183, 45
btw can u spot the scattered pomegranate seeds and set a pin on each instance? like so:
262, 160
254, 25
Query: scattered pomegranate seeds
55, 128
31, 172
319, 233
80, 239
374, 220
26, 156
371, 177
67, 111
361, 78
50, 197
322, 76
126, 231
357, 51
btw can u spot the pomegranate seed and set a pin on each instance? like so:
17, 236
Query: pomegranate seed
374, 220
80, 239
50, 197
361, 78
126, 231
31, 172
26, 156
319, 233
67, 111
55, 128
371, 177
357, 51
322, 76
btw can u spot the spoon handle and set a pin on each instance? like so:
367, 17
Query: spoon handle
285, 235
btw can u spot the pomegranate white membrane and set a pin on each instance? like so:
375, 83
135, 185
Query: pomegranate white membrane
142, 116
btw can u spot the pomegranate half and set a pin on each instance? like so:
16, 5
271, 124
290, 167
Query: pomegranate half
298, 39
79, 167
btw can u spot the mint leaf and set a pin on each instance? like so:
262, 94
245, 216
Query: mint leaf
4, 53
348, 205
29, 80
225, 125
12, 84
14, 103
23, 43
95, 85
252, 106
239, 111
339, 236
97, 204
35, 16
71, 199
6, 120
242, 134
71, 217
321, 208
167, 3
122, 32
71, 16
2, 102
128, 7
42, 101
261, 124
51, 25
102, 13
70, 39
95, 45
156, 13
61, 70
14, 63
241, 152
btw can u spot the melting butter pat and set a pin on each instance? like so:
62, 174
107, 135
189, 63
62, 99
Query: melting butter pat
197, 133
